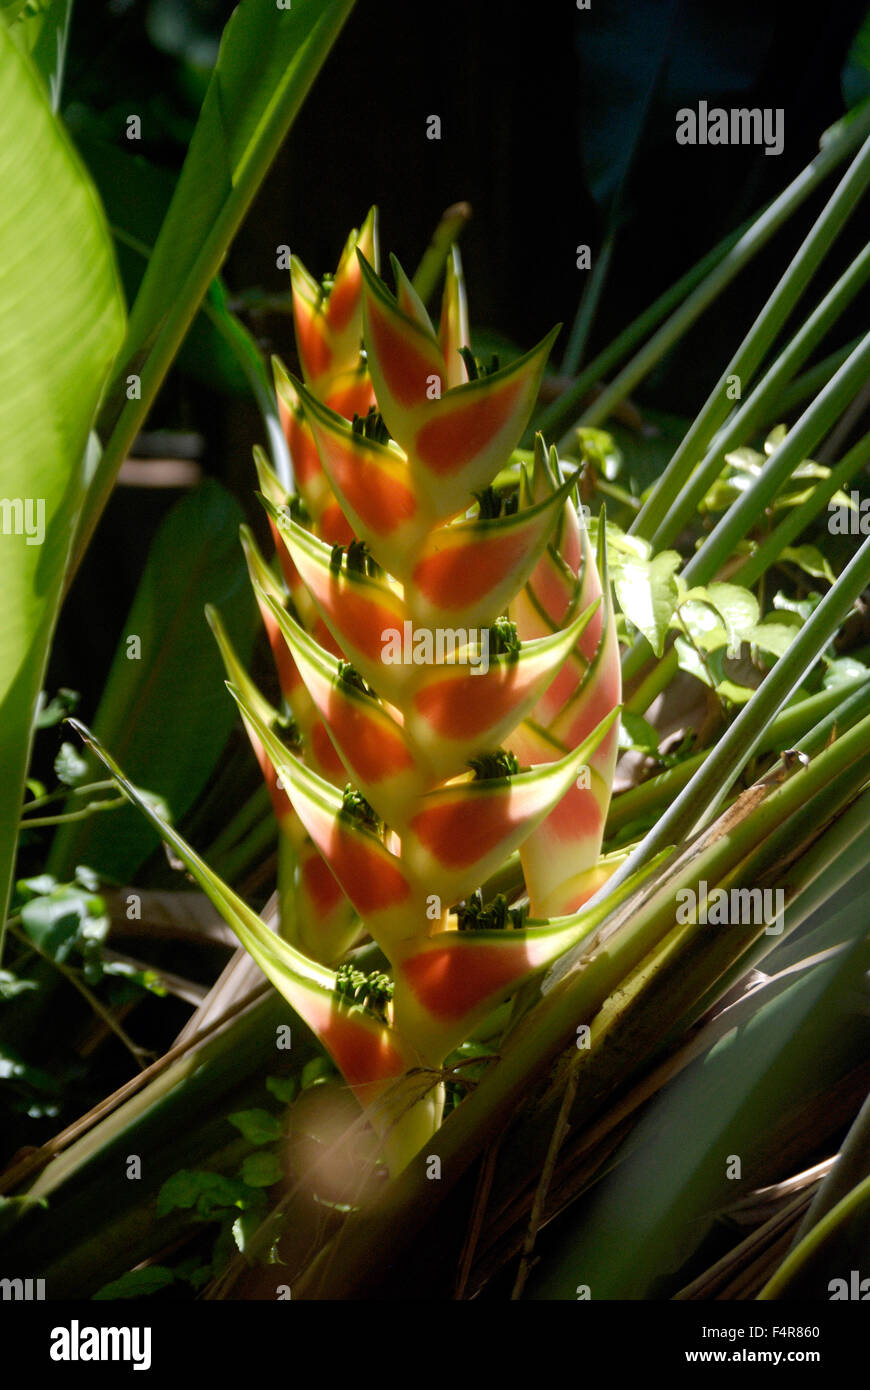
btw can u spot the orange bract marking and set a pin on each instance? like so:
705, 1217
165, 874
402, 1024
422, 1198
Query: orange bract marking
380, 500
281, 803
450, 442
360, 619
552, 588
315, 354
405, 366
320, 883
576, 817
461, 708
361, 1055
303, 450
460, 832
344, 297
371, 881
289, 678
374, 750
291, 574
324, 751
334, 527
353, 399
556, 695
594, 705
325, 638
463, 573
451, 980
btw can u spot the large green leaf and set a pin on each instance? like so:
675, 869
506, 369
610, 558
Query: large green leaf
136, 195
269, 57
166, 712
61, 323
218, 349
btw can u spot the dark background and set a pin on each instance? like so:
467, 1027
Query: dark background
557, 125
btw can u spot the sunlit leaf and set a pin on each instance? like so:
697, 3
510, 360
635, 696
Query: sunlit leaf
61, 322
810, 559
647, 593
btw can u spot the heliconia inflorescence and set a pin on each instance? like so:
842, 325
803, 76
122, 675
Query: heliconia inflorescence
450, 672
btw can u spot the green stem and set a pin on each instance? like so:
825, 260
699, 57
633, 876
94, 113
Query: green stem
852, 1209
835, 844
63, 793
815, 421
249, 851
809, 382
799, 518
34, 822
692, 293
757, 341
633, 1045
716, 854
587, 308
792, 726
711, 782
655, 681
694, 962
649, 795
257, 806
557, 416
74, 978
851, 708
830, 863
745, 420
848, 1172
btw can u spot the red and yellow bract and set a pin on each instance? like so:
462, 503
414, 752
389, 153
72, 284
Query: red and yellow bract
418, 766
